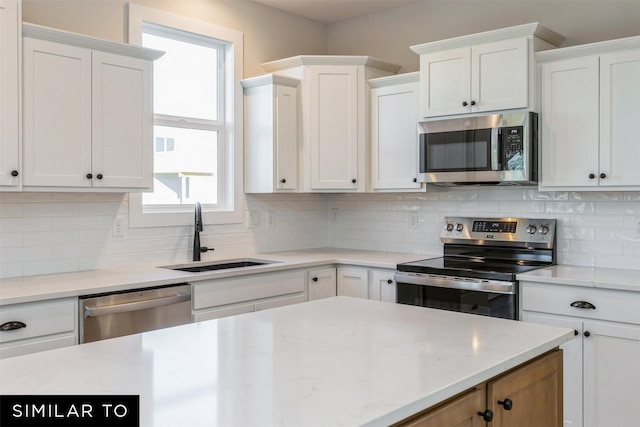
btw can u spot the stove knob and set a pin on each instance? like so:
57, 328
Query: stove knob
543, 229
531, 229
459, 227
449, 226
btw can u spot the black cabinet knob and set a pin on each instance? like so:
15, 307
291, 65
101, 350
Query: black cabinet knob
583, 304
587, 334
603, 175
14, 173
354, 180
473, 102
487, 415
12, 326
99, 176
465, 103
575, 332
592, 175
389, 281
283, 180
415, 179
507, 404
89, 176
315, 279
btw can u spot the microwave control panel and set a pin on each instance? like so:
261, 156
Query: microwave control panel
512, 141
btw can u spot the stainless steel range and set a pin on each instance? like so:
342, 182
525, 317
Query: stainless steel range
477, 272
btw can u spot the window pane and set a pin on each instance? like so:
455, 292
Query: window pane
184, 78
188, 173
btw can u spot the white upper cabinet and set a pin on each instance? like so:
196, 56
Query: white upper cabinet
484, 72
394, 135
271, 136
334, 104
589, 116
88, 113
10, 27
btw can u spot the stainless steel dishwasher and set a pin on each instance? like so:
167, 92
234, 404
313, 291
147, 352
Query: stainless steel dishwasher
129, 312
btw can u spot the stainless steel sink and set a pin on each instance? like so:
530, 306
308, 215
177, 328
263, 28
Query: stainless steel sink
199, 267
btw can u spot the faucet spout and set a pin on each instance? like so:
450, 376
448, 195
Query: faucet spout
197, 249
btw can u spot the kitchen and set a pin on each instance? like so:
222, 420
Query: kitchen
45, 233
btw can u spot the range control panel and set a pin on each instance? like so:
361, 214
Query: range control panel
499, 229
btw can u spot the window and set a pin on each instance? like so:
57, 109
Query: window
197, 120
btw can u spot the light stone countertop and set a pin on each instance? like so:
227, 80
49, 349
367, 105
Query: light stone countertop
334, 362
53, 286
604, 278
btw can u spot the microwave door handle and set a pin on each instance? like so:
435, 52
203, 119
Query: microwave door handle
495, 149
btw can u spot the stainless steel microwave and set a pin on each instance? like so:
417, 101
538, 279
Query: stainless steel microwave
497, 149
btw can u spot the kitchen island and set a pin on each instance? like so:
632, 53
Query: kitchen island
336, 361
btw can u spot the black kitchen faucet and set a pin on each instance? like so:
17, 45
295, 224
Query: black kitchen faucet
197, 249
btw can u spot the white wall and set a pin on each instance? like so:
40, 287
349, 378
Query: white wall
595, 229
387, 35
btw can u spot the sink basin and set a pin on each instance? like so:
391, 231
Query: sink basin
220, 265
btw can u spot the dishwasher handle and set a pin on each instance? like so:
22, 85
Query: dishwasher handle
134, 306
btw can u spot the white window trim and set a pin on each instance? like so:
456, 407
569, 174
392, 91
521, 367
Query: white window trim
233, 143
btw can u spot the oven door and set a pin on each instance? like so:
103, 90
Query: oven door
464, 295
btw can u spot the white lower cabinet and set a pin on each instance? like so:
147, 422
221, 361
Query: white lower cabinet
368, 283
38, 326
216, 298
602, 362
321, 283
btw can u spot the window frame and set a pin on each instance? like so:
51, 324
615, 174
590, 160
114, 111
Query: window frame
231, 147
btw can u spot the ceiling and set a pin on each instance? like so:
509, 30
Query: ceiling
330, 11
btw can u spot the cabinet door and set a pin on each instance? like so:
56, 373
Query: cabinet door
353, 282
572, 364
286, 138
57, 114
321, 283
569, 123
334, 128
619, 118
611, 374
524, 391
459, 412
382, 286
445, 82
394, 138
9, 94
499, 75
122, 150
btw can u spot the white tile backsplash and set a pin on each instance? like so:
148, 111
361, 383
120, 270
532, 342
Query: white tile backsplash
42, 233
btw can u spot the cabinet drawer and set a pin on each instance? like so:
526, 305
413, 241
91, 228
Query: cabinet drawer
40, 318
19, 348
212, 293
617, 306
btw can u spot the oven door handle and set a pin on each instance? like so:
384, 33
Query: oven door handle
469, 284
134, 306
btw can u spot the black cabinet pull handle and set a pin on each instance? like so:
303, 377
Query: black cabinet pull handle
12, 326
603, 175
464, 104
507, 403
315, 279
473, 102
283, 180
14, 173
575, 332
353, 180
415, 179
389, 281
592, 175
99, 176
587, 334
582, 304
487, 415
89, 176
